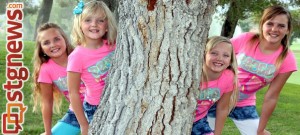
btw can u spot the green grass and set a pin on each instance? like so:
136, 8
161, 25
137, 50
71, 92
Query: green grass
295, 76
284, 120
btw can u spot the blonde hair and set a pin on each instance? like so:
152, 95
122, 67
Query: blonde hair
38, 59
268, 14
89, 9
211, 43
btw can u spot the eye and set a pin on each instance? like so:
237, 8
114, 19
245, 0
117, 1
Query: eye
57, 39
226, 55
214, 53
100, 20
46, 43
87, 20
282, 26
269, 24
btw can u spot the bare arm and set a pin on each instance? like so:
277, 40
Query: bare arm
222, 112
270, 100
74, 85
47, 105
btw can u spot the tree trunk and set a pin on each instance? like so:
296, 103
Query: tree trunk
231, 20
154, 79
43, 15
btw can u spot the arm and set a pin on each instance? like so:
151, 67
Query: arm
222, 112
47, 105
73, 85
270, 100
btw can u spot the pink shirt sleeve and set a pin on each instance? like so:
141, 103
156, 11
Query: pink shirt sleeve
228, 81
241, 40
289, 64
74, 62
44, 76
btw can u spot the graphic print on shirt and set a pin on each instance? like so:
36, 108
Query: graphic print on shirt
207, 98
261, 74
100, 69
61, 84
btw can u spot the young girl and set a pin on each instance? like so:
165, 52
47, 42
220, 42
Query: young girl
263, 59
94, 32
50, 77
218, 84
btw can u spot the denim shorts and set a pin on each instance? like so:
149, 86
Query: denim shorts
201, 127
238, 113
89, 110
70, 118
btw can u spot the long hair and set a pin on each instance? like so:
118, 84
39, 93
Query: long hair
268, 14
90, 9
38, 59
211, 43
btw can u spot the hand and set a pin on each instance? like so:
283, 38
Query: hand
265, 132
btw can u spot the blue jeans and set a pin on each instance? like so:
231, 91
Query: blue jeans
238, 113
201, 127
70, 118
89, 110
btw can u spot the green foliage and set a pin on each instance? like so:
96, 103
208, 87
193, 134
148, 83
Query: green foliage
29, 7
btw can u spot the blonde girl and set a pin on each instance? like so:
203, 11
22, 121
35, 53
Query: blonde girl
94, 33
218, 85
49, 78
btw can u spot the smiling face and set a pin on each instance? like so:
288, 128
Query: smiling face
52, 43
218, 58
94, 26
275, 29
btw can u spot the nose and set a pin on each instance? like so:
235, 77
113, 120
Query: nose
219, 57
274, 28
94, 22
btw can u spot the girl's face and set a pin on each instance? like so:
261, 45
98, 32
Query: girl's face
52, 43
275, 29
218, 58
94, 27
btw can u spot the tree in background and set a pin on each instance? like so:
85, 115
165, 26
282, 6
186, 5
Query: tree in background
296, 24
241, 9
43, 15
155, 76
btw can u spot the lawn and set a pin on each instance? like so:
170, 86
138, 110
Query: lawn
284, 120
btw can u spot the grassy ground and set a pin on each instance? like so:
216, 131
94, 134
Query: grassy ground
284, 120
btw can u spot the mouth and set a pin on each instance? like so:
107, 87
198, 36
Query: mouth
94, 31
218, 64
55, 50
273, 35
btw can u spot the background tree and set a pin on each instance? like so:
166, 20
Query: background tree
44, 14
241, 9
296, 24
154, 78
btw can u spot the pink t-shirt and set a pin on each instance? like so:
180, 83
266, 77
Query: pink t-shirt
212, 91
256, 69
51, 72
93, 65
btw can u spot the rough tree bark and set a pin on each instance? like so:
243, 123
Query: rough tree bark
43, 15
154, 79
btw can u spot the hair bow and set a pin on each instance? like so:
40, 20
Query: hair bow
78, 9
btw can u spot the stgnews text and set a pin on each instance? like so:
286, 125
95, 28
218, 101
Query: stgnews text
16, 73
